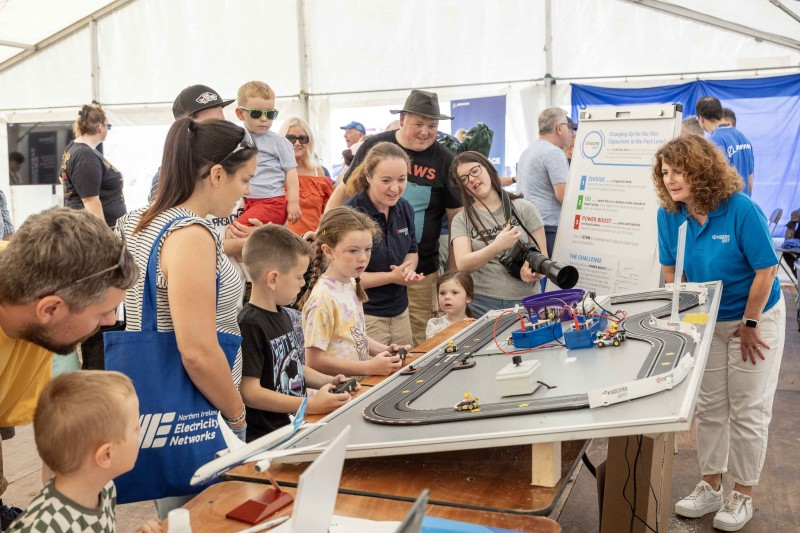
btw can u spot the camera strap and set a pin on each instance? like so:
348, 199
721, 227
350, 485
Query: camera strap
510, 212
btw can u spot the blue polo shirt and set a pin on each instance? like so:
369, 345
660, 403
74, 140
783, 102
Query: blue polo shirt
738, 150
397, 242
732, 244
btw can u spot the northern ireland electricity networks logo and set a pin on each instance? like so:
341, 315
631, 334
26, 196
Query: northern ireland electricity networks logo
155, 429
170, 429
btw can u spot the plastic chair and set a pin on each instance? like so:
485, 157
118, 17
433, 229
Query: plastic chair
774, 218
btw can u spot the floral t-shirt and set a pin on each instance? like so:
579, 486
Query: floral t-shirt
333, 320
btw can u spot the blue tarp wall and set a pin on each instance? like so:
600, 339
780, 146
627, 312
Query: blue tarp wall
767, 112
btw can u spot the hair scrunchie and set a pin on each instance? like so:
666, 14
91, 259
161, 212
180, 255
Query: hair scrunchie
192, 125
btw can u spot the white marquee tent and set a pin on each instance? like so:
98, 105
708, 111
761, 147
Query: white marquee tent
324, 57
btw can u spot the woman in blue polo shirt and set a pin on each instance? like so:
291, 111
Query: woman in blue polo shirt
381, 180
727, 239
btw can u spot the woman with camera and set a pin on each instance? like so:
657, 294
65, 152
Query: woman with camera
490, 227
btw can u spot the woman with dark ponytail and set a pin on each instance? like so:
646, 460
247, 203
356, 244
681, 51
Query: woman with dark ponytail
90, 181
205, 170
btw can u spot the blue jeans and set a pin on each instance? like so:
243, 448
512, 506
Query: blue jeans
481, 304
165, 505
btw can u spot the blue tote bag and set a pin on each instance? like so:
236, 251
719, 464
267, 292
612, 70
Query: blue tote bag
179, 425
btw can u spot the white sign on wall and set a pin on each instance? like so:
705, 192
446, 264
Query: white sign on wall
607, 228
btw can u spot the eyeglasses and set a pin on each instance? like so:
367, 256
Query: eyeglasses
563, 124
255, 114
108, 126
294, 138
247, 142
474, 172
122, 265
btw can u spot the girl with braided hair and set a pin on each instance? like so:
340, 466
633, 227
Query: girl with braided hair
333, 316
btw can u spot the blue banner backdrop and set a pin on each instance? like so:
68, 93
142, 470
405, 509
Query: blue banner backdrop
767, 112
490, 110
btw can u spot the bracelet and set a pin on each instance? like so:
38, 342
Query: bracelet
238, 419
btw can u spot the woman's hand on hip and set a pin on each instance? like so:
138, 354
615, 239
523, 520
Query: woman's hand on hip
752, 344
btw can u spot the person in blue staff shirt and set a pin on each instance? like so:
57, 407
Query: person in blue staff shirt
734, 145
727, 239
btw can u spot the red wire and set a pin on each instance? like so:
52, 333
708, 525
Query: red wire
522, 322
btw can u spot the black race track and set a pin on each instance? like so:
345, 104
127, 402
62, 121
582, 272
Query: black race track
395, 407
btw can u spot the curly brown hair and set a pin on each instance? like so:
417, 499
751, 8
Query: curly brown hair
711, 179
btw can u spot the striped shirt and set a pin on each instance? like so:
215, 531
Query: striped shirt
6, 226
230, 289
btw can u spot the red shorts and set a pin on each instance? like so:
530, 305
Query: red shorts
264, 209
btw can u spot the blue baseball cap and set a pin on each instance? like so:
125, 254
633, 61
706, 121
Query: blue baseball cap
356, 126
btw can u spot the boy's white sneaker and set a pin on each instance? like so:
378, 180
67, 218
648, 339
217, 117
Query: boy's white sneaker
736, 511
701, 501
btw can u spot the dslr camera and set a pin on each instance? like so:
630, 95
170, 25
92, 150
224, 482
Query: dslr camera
565, 276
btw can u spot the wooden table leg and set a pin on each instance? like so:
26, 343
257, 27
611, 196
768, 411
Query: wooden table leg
643, 463
546, 464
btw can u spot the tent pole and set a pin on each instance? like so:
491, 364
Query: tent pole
548, 54
66, 32
95, 61
686, 13
305, 61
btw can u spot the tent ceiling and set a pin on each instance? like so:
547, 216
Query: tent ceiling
343, 53
26, 23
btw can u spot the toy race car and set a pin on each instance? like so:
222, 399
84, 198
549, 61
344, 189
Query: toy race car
467, 404
613, 336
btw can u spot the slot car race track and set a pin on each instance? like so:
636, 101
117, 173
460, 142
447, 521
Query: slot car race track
395, 407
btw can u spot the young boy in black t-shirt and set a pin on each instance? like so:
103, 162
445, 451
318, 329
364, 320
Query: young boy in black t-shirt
274, 379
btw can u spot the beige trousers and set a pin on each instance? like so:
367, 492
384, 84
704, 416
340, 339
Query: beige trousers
423, 304
392, 330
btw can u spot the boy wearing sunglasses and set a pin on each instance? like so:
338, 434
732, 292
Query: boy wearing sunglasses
275, 188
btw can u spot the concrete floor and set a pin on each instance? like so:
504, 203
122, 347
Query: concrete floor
23, 470
776, 498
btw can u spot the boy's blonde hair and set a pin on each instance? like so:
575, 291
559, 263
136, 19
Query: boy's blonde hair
254, 89
77, 413
273, 247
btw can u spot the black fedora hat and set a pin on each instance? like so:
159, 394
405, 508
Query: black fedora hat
422, 103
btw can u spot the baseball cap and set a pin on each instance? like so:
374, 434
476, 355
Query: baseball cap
356, 126
196, 98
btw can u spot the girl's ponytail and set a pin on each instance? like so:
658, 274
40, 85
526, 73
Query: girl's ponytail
316, 272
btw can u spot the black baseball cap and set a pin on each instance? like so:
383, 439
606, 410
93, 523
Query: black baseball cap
196, 98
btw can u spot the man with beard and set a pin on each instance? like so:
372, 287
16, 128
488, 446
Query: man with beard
62, 277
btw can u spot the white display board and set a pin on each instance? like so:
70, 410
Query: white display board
607, 228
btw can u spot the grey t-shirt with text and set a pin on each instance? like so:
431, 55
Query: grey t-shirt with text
492, 279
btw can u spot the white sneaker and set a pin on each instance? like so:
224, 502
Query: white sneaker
701, 501
735, 513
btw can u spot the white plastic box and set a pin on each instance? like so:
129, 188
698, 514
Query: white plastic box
516, 380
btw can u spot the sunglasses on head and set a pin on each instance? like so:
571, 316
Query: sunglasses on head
294, 138
255, 114
247, 142
122, 265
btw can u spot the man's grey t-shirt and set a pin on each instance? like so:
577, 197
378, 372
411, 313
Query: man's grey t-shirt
541, 166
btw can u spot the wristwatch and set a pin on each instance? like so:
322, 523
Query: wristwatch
749, 322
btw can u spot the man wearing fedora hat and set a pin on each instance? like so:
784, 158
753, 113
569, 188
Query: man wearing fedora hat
429, 191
